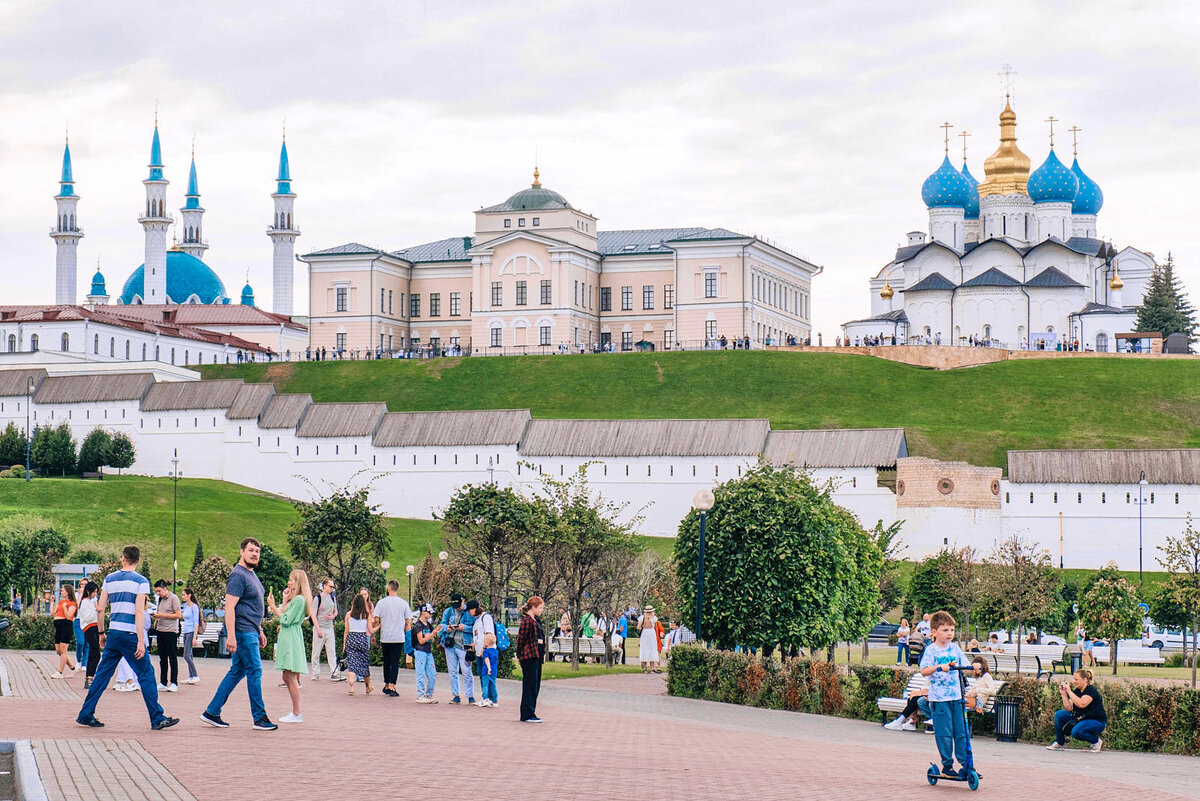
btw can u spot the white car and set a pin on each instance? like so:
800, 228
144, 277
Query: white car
1159, 637
1005, 638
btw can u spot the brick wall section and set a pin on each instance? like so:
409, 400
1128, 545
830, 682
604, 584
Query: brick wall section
968, 486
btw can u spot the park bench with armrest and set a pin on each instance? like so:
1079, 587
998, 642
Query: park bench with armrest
918, 682
1129, 654
588, 647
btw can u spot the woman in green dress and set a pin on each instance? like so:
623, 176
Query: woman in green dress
289, 648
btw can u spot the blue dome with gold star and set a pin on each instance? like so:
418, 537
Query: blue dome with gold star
1090, 199
972, 209
189, 280
1052, 182
947, 188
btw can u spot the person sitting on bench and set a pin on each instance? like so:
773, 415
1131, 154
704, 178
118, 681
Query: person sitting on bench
985, 685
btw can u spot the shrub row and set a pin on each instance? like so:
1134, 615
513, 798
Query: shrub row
1141, 716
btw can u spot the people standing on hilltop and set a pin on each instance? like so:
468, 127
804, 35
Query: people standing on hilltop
244, 639
289, 646
128, 591
64, 627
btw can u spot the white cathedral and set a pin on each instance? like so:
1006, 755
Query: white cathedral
173, 307
1013, 261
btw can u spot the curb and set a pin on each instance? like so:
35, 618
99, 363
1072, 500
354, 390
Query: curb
4, 688
27, 779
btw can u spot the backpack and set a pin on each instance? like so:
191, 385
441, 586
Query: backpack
502, 640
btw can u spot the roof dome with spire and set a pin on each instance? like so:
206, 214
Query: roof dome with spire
1053, 182
247, 295
1090, 199
98, 287
535, 198
1006, 171
193, 189
187, 277
972, 208
946, 188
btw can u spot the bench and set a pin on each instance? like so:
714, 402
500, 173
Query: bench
97, 476
588, 646
1129, 654
1010, 663
918, 682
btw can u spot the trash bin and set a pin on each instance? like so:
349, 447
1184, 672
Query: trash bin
1008, 722
1076, 661
221, 652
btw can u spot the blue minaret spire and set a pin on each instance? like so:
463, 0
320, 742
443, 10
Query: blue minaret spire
156, 165
192, 215
67, 182
66, 234
283, 233
193, 188
285, 174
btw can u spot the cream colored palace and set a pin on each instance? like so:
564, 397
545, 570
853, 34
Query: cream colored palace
539, 274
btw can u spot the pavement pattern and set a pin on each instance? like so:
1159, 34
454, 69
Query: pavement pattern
615, 735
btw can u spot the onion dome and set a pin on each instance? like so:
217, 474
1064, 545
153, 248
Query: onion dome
887, 292
98, 284
1116, 282
972, 208
946, 188
247, 295
1006, 171
1053, 182
1090, 199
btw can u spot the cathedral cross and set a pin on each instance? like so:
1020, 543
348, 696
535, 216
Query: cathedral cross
1074, 129
1051, 119
964, 136
945, 126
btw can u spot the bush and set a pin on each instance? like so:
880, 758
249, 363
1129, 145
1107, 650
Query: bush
6, 474
1178, 659
28, 632
687, 672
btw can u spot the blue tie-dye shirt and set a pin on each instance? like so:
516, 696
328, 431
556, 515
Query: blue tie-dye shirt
943, 685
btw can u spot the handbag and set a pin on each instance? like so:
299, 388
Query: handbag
470, 653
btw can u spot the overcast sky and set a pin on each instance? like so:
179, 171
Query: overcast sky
814, 128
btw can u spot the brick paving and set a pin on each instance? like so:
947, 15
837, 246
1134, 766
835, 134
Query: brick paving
104, 770
599, 733
29, 676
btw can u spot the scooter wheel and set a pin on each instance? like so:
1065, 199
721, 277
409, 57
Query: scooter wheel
932, 775
973, 780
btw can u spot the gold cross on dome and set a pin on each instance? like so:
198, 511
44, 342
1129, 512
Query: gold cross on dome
1051, 119
1008, 79
964, 136
945, 126
1074, 129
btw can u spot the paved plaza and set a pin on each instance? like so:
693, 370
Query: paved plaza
612, 736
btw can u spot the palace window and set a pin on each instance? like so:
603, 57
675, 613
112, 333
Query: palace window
414, 305
342, 297
537, 221
710, 285
521, 223
382, 298
710, 329
33, 342
626, 298
544, 335
497, 293
341, 341
496, 334
389, 301
66, 343
522, 293
669, 296
605, 298
647, 297
455, 304
626, 340
435, 304
669, 339
546, 293
507, 223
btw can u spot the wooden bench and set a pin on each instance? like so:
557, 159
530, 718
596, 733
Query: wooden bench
588, 647
918, 682
1129, 654
96, 476
1010, 663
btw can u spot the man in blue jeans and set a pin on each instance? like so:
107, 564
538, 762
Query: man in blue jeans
244, 640
457, 623
127, 591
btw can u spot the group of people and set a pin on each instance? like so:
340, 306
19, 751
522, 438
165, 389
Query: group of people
654, 640
946, 703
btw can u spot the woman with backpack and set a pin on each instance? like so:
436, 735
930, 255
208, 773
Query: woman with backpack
531, 650
356, 642
193, 627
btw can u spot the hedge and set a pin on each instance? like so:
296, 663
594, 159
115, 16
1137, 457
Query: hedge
1141, 716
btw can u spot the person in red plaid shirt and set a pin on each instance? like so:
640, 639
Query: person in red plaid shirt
531, 652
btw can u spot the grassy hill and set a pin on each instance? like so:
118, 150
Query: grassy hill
973, 414
106, 515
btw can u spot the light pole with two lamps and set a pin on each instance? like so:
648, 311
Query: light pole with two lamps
1142, 482
702, 501
175, 475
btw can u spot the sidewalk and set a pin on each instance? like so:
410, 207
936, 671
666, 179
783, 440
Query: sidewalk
597, 731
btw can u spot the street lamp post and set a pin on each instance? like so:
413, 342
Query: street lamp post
28, 433
1141, 484
409, 570
175, 475
702, 501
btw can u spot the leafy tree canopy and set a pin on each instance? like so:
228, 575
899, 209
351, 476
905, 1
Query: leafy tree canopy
94, 452
340, 535
1110, 611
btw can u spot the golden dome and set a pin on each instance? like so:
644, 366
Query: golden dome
1116, 282
1006, 172
887, 292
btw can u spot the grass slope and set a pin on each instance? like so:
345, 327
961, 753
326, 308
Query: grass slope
974, 414
106, 515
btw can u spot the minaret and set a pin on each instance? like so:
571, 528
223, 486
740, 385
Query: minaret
98, 296
155, 221
283, 235
66, 235
192, 216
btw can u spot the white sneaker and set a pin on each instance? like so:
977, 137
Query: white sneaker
1054, 747
337, 678
172, 688
164, 688
290, 718
1096, 746
910, 726
895, 724
314, 676
56, 675
192, 680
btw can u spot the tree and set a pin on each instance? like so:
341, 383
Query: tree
432, 582
54, 448
339, 535
90, 556
485, 527
33, 546
784, 565
1110, 611
962, 582
95, 450
1165, 306
12, 446
273, 570
198, 557
120, 453
1181, 556
589, 541
208, 580
925, 590
1020, 583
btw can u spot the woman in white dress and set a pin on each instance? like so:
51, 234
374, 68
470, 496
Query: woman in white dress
649, 642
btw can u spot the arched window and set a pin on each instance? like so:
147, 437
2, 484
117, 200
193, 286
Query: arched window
156, 354
1102, 343
143, 351
72, 222
185, 357
289, 221
127, 350
112, 346
172, 355
12, 343
66, 342
96, 344
33, 342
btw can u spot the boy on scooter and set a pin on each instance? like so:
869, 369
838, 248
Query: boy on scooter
945, 693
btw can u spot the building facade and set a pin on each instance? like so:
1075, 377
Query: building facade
538, 274
1013, 261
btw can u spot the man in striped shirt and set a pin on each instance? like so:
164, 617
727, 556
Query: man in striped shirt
127, 591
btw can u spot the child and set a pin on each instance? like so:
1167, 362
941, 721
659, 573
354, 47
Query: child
945, 693
489, 669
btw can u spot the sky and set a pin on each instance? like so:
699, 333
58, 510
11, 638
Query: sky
812, 125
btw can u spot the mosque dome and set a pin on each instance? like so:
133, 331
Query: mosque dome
972, 209
247, 295
1053, 182
946, 188
186, 276
98, 285
1090, 199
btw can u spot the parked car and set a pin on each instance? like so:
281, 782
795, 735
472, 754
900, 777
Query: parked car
882, 631
1159, 637
1046, 639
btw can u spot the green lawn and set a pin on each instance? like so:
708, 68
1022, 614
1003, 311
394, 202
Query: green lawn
106, 515
974, 414
562, 670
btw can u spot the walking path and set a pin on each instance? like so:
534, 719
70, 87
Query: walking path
598, 733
